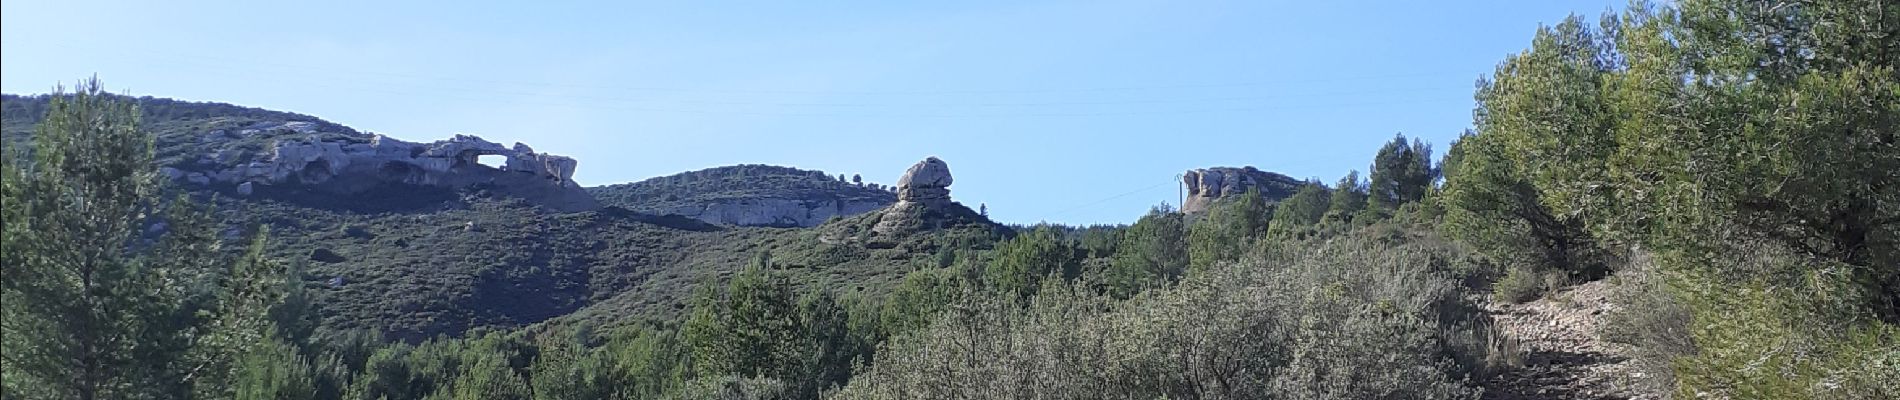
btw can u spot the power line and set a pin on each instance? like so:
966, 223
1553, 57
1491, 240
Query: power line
519, 99
1105, 200
1205, 85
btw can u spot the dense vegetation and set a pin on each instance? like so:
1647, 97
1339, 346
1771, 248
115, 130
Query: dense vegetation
1729, 164
1744, 150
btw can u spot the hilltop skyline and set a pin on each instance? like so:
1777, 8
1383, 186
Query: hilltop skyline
1076, 113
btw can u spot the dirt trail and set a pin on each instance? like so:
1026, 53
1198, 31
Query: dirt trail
1563, 357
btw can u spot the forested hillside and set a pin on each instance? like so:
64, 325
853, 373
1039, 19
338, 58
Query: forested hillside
1713, 186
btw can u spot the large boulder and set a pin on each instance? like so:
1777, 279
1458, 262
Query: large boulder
923, 201
927, 182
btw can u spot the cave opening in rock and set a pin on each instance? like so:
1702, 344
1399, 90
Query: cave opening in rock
495, 161
315, 172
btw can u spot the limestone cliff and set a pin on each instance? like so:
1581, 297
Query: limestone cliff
1206, 185
340, 163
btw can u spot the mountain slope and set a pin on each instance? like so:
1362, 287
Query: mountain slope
748, 195
415, 261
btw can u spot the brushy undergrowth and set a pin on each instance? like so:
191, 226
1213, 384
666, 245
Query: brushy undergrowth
1354, 317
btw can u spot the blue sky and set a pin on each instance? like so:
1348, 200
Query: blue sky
1071, 112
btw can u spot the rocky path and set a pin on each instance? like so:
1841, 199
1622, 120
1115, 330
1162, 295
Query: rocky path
1563, 357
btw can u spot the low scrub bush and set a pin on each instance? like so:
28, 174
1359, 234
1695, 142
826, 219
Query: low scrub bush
1350, 318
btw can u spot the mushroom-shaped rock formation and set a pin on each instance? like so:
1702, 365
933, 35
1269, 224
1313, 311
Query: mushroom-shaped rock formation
923, 201
927, 182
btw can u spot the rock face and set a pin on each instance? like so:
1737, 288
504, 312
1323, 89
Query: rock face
345, 164
1206, 185
923, 200
926, 182
313, 160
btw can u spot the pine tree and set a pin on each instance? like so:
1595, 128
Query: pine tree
1227, 230
827, 347
1349, 197
242, 320
1152, 251
76, 302
747, 330
1401, 173
273, 370
1304, 209
489, 376
1022, 263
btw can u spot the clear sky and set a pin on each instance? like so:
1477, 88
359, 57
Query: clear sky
1073, 112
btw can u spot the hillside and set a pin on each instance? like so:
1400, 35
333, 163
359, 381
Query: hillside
187, 132
748, 195
419, 260
1694, 199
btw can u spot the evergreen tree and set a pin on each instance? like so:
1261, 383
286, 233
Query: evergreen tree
1304, 209
1227, 230
1022, 262
1401, 173
565, 369
1153, 251
1349, 197
76, 303
489, 376
916, 301
655, 361
750, 329
185, 265
1490, 205
828, 346
242, 320
273, 370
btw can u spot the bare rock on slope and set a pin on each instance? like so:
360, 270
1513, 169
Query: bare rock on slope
926, 182
346, 164
1207, 185
923, 201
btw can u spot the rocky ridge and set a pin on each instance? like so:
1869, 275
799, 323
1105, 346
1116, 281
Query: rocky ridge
346, 164
1207, 185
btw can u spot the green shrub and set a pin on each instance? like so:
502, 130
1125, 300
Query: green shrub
1520, 285
1353, 317
1652, 321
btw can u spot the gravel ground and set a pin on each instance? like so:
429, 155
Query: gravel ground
1563, 355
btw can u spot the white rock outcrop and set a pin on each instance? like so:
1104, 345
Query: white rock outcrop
927, 182
345, 163
923, 200
312, 160
1206, 185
